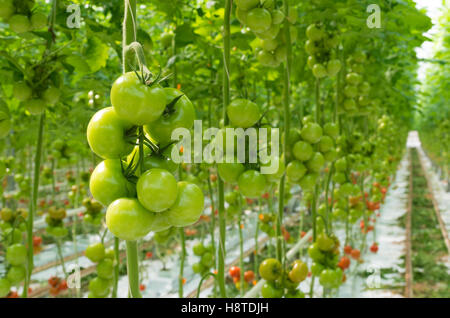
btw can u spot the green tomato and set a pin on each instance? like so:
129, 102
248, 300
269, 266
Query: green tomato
230, 172
22, 91
333, 67
295, 294
99, 287
246, 4
166, 39
259, 20
310, 47
5, 287
106, 135
188, 206
6, 11
341, 165
51, 95
270, 269
314, 33
16, 274
326, 144
231, 197
19, 23
95, 252
243, 113
160, 223
252, 184
241, 15
198, 268
266, 58
271, 33
277, 17
16, 254
135, 102
308, 182
128, 219
110, 254
38, 20
317, 268
315, 253
302, 151
350, 91
268, 290
199, 249
316, 163
311, 133
299, 272
108, 183
324, 242
275, 162
349, 104
179, 115
207, 260
339, 177
269, 45
319, 70
157, 190
105, 268
14, 237
346, 189
35, 106
353, 78
331, 130
295, 170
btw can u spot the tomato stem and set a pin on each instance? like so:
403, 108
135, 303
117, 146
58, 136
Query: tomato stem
116, 267
33, 204
133, 269
183, 256
226, 102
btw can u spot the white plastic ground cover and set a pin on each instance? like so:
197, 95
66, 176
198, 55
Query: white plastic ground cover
164, 283
390, 237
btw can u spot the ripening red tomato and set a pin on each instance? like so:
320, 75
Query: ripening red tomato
234, 271
348, 249
249, 276
356, 254
374, 248
344, 262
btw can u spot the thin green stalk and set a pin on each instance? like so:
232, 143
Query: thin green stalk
61, 257
241, 249
116, 267
213, 230
33, 204
133, 269
226, 102
183, 256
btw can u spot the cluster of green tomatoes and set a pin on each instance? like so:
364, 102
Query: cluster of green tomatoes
93, 214
21, 16
206, 254
55, 222
325, 255
12, 228
319, 46
266, 22
311, 148
280, 282
136, 179
100, 286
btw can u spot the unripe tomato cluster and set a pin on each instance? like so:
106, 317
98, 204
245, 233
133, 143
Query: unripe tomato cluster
325, 255
265, 20
141, 193
55, 223
12, 228
281, 282
311, 148
21, 16
100, 286
320, 47
356, 90
35, 100
93, 214
206, 262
